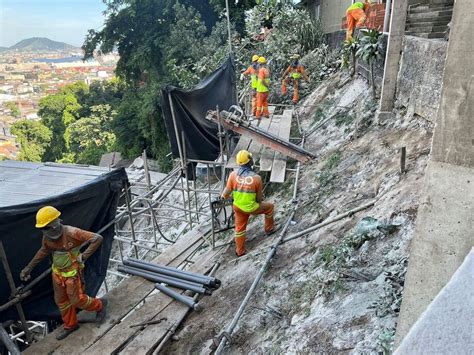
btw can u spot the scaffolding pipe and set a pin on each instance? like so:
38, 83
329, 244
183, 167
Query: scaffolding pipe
386, 20
163, 267
183, 139
250, 292
8, 342
176, 273
184, 285
188, 301
13, 290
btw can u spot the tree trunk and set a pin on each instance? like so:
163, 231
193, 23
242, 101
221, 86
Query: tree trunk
354, 63
372, 79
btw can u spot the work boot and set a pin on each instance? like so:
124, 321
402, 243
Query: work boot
63, 333
100, 316
275, 229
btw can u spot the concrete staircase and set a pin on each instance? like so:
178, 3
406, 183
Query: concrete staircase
429, 19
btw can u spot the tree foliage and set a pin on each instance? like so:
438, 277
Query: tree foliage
34, 139
90, 137
14, 109
163, 42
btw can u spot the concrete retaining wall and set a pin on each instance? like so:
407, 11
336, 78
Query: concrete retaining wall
420, 78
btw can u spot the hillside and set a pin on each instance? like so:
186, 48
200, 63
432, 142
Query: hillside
338, 290
40, 44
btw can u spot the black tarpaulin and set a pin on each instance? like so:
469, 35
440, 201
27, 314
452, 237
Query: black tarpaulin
89, 207
190, 108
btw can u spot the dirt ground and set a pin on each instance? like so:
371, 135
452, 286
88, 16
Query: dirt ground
337, 290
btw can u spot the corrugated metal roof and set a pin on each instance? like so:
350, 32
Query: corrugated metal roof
23, 182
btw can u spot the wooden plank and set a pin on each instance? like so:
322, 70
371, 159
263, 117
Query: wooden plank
256, 147
266, 157
245, 142
149, 338
279, 162
122, 299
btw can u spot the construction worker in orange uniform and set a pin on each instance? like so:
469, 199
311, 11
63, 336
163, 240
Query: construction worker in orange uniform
356, 17
263, 85
252, 70
64, 243
245, 185
294, 72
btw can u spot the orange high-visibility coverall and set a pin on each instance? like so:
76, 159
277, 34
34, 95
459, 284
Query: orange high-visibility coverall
248, 185
293, 73
355, 17
263, 84
253, 72
69, 290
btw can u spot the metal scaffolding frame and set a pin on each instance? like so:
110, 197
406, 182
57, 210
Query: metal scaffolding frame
150, 218
142, 224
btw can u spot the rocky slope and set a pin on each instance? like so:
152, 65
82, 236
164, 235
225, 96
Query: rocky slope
339, 289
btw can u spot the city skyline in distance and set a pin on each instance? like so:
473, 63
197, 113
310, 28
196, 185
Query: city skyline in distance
59, 20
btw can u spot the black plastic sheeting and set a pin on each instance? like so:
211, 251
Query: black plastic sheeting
190, 108
88, 207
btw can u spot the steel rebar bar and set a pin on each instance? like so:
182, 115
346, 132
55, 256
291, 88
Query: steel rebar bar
326, 222
257, 279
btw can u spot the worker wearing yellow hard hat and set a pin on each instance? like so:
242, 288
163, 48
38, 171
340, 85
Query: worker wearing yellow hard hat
245, 186
293, 73
263, 88
252, 70
63, 243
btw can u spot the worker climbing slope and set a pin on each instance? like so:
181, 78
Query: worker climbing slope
293, 73
356, 17
252, 70
63, 243
263, 85
245, 186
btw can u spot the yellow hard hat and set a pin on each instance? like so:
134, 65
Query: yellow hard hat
262, 60
243, 157
46, 215
255, 58
295, 56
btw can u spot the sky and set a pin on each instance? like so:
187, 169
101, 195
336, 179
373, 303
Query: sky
59, 20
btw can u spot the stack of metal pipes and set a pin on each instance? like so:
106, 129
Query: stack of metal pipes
165, 275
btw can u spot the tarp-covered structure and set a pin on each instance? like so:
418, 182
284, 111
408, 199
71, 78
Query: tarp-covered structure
190, 108
88, 200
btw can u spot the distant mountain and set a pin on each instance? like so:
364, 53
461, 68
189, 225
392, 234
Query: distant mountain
40, 44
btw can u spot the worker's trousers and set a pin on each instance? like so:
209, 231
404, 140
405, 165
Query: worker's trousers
254, 102
69, 295
241, 220
296, 90
262, 105
355, 18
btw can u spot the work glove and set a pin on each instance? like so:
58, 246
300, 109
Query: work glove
25, 274
242, 76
